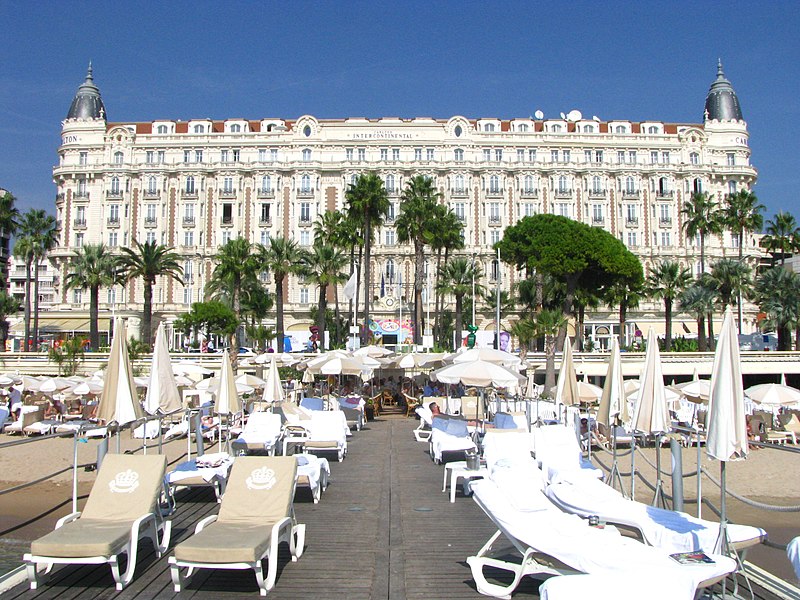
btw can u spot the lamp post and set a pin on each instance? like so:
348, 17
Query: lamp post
497, 304
473, 288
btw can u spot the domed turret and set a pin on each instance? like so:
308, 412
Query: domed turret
87, 103
721, 102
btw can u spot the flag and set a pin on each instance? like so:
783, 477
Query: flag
383, 286
350, 287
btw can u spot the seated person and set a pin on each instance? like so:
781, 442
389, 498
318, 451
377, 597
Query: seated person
55, 408
434, 408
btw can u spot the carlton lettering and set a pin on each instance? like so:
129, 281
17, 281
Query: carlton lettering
71, 139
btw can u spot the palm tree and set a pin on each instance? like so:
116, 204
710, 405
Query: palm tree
702, 217
457, 278
235, 268
324, 265
548, 324
666, 281
743, 215
698, 299
24, 250
626, 295
91, 268
149, 261
418, 210
8, 222
45, 239
777, 293
333, 228
367, 204
8, 306
448, 235
781, 235
730, 279
281, 257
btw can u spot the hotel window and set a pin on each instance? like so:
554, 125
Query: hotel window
555, 128
305, 238
488, 127
264, 238
113, 239
630, 185
563, 209
265, 212
654, 157
621, 157
115, 185
198, 156
395, 153
598, 156
388, 271
390, 239
118, 158
266, 183
731, 157
666, 238
652, 129
487, 155
188, 238
113, 213
527, 184
494, 183
188, 212
227, 185
697, 186
306, 155
522, 127
77, 296
430, 154
83, 159
348, 154
199, 129
632, 157
391, 212
498, 155
303, 295
151, 237
273, 154
527, 209
262, 155
80, 215
187, 156
554, 156
587, 156
458, 186
665, 158
150, 213
417, 153
494, 270
520, 155
597, 186
562, 184
236, 128
587, 129
226, 237
532, 155
390, 183
694, 158
631, 213
458, 155
494, 212
111, 295
152, 185
305, 184
187, 295
459, 208
353, 179
162, 129
566, 156
384, 154
162, 157
224, 156
632, 239
597, 213
731, 187
305, 212
362, 154
664, 213
82, 188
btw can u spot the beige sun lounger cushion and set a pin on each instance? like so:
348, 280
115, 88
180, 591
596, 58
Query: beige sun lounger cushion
259, 493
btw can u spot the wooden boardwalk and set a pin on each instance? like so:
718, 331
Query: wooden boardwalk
383, 529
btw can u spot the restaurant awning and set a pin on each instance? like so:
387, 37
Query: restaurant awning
61, 325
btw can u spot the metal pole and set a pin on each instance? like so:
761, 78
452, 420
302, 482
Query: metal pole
699, 475
75, 470
677, 474
473, 289
497, 303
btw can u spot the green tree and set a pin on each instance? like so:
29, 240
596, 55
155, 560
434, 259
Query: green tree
281, 257
210, 317
24, 250
666, 281
698, 299
547, 324
91, 268
147, 262
235, 268
418, 211
335, 229
67, 356
8, 222
782, 235
447, 236
457, 278
625, 294
777, 293
8, 306
42, 229
367, 204
742, 215
572, 253
730, 279
324, 266
702, 217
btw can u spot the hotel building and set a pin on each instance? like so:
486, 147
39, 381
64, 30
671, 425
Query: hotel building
195, 184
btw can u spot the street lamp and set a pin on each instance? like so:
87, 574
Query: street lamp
474, 254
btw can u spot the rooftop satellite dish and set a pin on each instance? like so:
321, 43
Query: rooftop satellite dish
563, 116
596, 118
574, 115
539, 115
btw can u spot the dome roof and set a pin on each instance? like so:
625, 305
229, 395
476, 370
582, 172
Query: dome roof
87, 103
721, 102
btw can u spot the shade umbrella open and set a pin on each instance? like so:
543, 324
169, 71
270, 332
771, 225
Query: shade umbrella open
499, 357
774, 394
477, 373
162, 389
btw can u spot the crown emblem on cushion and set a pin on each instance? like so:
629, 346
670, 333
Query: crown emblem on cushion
124, 482
261, 479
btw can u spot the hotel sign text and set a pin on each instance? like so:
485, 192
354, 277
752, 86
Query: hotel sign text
382, 135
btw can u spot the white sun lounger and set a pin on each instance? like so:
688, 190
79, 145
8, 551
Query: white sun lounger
122, 508
550, 542
328, 433
449, 434
262, 433
673, 531
313, 472
256, 515
557, 450
209, 470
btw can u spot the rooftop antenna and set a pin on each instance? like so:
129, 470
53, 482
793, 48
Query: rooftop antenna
539, 115
596, 118
563, 116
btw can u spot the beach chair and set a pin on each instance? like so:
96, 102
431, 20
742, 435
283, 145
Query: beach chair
209, 470
327, 432
449, 435
261, 433
547, 541
123, 507
313, 472
29, 415
423, 431
4, 412
256, 515
667, 529
557, 450
353, 410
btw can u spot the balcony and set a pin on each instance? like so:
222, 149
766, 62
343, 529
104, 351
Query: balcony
630, 194
495, 192
304, 221
112, 222
665, 194
529, 193
495, 220
114, 194
79, 223
265, 221
189, 194
597, 193
152, 194
83, 195
459, 192
665, 222
598, 221
305, 193
563, 193
150, 222
389, 219
265, 193
226, 222
632, 222
188, 221
227, 193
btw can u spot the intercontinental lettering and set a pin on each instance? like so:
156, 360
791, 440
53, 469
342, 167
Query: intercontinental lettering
382, 135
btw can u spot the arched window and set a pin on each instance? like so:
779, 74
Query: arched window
190, 185
305, 183
118, 158
619, 129
115, 185
353, 179
459, 184
694, 158
528, 183
596, 186
390, 183
458, 155
630, 185
236, 128
555, 128
152, 185
162, 129
306, 155
652, 129
562, 184
494, 183
731, 187
488, 127
389, 271
663, 185
588, 129
266, 183
199, 128
698, 186
522, 127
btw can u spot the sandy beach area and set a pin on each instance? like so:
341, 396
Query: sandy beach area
768, 475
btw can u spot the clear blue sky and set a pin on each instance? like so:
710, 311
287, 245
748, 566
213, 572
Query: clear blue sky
183, 60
